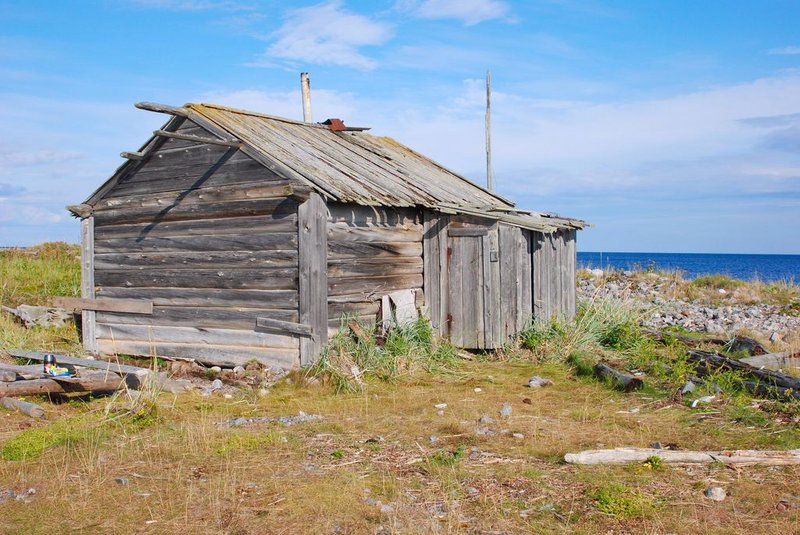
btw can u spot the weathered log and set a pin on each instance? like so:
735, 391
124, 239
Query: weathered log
91, 382
708, 362
639, 455
773, 392
30, 409
623, 381
7, 376
743, 343
774, 361
22, 372
691, 341
135, 376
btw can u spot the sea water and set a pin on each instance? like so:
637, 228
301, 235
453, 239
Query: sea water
765, 267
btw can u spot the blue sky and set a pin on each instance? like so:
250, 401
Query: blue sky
671, 125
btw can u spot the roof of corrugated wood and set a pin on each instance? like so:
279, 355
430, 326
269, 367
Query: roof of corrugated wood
357, 167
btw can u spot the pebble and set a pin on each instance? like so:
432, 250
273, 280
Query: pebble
441, 405
215, 369
538, 382
238, 370
440, 413
518, 436
472, 492
216, 384
505, 410
478, 390
485, 420
704, 399
433, 439
688, 387
121, 480
716, 493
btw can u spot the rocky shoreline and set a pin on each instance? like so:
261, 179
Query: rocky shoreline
653, 293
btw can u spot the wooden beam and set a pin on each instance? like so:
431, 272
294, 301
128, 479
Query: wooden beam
132, 155
312, 232
88, 318
467, 232
81, 210
271, 325
640, 455
161, 108
198, 139
130, 306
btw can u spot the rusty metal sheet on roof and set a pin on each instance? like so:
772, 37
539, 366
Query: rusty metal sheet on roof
352, 166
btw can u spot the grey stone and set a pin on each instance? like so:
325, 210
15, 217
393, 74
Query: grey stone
717, 494
238, 370
688, 387
215, 369
485, 419
433, 439
505, 410
121, 480
518, 436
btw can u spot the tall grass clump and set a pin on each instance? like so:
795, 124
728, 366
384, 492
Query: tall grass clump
600, 324
350, 359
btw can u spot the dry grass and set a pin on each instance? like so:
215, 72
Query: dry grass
187, 474
162, 464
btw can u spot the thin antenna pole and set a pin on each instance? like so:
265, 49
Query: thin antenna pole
305, 88
489, 177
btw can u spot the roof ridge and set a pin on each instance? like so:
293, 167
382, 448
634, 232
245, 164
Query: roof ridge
240, 111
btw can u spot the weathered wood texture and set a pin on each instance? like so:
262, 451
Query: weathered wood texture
554, 274
312, 233
640, 455
210, 237
372, 251
471, 290
88, 317
515, 279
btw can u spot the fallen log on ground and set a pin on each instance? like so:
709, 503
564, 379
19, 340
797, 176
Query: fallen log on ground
30, 409
640, 455
773, 392
135, 376
708, 362
7, 375
621, 380
743, 343
91, 382
774, 361
691, 341
22, 372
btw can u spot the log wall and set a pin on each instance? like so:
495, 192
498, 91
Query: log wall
372, 251
211, 237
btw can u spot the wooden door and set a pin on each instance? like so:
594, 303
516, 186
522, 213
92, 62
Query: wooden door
472, 292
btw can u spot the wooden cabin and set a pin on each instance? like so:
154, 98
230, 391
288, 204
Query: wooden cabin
232, 235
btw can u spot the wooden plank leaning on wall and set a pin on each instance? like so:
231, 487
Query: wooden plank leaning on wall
88, 317
312, 230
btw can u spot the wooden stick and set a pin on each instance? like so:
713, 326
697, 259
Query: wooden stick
640, 455
93, 382
31, 409
622, 380
198, 139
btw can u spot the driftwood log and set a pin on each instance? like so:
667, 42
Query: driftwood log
774, 361
640, 455
623, 381
31, 409
708, 362
91, 382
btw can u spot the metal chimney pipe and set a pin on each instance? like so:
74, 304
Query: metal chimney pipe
305, 87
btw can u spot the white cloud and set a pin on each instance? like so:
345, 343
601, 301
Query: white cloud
785, 51
327, 34
470, 12
191, 5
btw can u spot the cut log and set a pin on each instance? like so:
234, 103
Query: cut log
708, 362
135, 377
7, 376
23, 372
30, 409
623, 381
640, 455
90, 382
